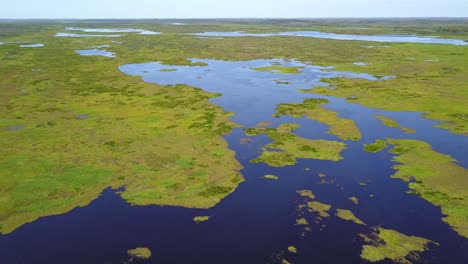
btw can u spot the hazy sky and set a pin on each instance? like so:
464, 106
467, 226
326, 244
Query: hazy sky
230, 8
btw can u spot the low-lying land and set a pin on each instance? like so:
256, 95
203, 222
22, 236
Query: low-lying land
287, 147
343, 128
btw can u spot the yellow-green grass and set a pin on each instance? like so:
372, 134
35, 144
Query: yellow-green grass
436, 177
353, 199
377, 146
387, 121
306, 193
163, 144
200, 219
433, 88
280, 69
320, 208
292, 249
390, 244
61, 85
348, 216
434, 92
270, 177
140, 253
287, 147
343, 128
302, 221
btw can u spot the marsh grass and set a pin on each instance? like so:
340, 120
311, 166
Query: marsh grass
312, 108
436, 177
348, 216
377, 146
140, 253
387, 121
390, 244
288, 147
164, 144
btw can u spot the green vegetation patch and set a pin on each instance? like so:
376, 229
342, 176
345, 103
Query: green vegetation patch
387, 121
377, 146
164, 145
306, 193
280, 69
343, 128
270, 177
418, 90
200, 219
353, 199
302, 221
435, 177
320, 208
390, 244
349, 216
288, 147
140, 253
292, 249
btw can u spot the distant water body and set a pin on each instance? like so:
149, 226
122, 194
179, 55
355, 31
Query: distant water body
96, 52
114, 30
317, 34
37, 45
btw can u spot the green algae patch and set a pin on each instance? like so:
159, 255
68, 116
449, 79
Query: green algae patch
292, 249
270, 177
280, 69
287, 147
306, 193
436, 177
353, 199
200, 219
320, 208
312, 108
387, 121
375, 147
348, 216
140, 253
390, 244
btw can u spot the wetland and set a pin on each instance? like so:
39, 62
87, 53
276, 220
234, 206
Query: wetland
264, 141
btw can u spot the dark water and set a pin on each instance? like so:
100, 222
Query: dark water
256, 223
317, 34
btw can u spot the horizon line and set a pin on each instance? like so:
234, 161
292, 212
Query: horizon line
201, 18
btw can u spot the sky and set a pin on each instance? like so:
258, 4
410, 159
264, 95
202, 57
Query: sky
231, 8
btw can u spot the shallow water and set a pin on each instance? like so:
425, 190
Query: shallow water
256, 223
96, 52
73, 35
317, 34
37, 45
114, 30
360, 63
